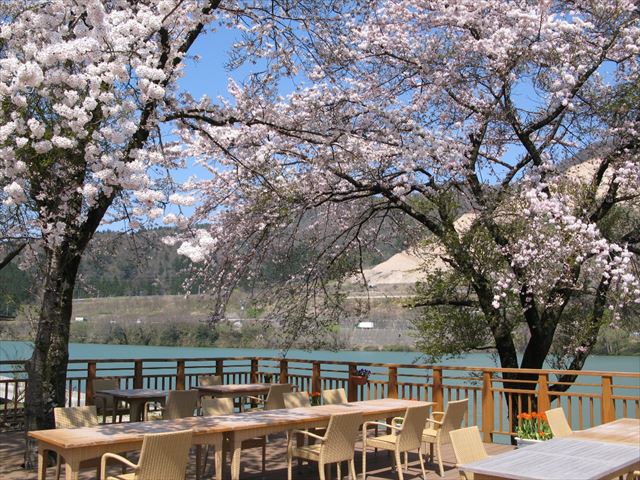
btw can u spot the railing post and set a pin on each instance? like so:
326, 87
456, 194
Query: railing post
180, 375
437, 393
284, 370
487, 407
543, 393
254, 370
316, 378
608, 406
352, 388
220, 368
138, 381
392, 386
91, 375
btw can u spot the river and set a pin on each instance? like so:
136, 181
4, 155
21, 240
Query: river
12, 350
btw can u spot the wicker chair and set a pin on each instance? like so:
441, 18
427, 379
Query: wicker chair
274, 400
334, 397
296, 399
437, 432
467, 446
104, 403
558, 423
213, 407
408, 432
163, 455
337, 445
208, 380
76, 417
180, 404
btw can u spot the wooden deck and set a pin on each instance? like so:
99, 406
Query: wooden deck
378, 464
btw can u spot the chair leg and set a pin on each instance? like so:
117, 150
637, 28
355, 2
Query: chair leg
431, 459
424, 473
364, 455
321, 470
439, 453
352, 470
289, 473
339, 470
399, 465
264, 457
406, 462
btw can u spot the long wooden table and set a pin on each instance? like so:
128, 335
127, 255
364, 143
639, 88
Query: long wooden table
625, 431
234, 391
80, 444
600, 452
136, 398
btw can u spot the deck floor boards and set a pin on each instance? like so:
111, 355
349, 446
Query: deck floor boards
378, 464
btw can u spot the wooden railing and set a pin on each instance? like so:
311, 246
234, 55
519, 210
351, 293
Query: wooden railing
594, 398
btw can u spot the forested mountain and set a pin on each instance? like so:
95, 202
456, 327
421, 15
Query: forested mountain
118, 264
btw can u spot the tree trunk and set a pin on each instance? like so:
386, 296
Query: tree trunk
47, 368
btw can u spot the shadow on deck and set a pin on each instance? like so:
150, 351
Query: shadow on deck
379, 465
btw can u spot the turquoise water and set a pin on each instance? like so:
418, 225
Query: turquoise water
10, 350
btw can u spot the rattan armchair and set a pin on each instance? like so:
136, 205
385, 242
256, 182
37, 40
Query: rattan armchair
437, 431
467, 447
104, 403
213, 407
296, 399
337, 445
406, 438
76, 417
275, 399
208, 380
163, 456
334, 397
179, 404
558, 423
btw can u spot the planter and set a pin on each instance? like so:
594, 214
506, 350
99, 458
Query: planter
523, 442
359, 379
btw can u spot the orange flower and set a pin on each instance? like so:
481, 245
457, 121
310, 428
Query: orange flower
543, 417
534, 415
526, 416
315, 394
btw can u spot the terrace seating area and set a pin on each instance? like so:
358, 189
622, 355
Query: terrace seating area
296, 425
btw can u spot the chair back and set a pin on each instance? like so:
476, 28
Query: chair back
296, 399
341, 436
208, 380
336, 396
212, 407
467, 445
275, 398
558, 423
164, 455
76, 417
453, 418
106, 383
410, 436
180, 404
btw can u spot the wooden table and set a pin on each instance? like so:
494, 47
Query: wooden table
243, 426
234, 391
136, 398
78, 444
560, 459
625, 431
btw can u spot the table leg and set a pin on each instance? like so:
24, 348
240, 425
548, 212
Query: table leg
218, 461
42, 469
135, 414
71, 468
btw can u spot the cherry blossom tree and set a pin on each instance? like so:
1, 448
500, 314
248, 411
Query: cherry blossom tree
84, 86
410, 113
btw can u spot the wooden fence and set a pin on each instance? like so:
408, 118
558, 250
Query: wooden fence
596, 397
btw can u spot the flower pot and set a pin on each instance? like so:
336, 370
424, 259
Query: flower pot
359, 379
523, 442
